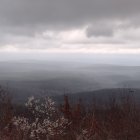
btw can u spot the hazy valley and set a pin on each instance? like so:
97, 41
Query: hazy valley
40, 78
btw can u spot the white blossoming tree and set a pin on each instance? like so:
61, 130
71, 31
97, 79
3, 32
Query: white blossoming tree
45, 122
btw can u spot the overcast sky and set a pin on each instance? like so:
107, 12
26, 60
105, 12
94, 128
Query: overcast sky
82, 26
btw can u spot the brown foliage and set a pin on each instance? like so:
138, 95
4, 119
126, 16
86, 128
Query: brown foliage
115, 121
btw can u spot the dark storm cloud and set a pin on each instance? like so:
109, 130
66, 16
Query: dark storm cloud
99, 31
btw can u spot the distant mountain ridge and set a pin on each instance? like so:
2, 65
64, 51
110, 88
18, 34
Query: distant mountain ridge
26, 78
103, 95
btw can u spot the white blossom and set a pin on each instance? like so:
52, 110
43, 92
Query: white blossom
45, 122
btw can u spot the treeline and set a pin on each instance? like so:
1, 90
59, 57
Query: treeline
42, 119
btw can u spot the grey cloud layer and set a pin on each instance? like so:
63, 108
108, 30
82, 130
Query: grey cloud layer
51, 12
21, 20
